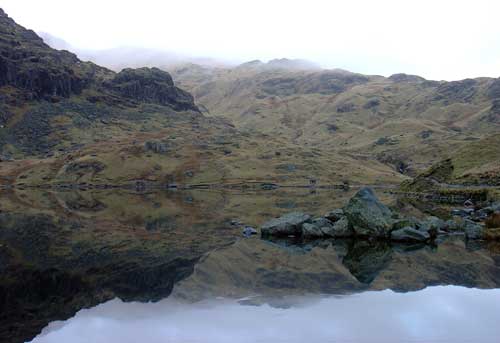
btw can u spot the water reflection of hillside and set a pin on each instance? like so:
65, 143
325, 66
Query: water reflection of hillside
60, 252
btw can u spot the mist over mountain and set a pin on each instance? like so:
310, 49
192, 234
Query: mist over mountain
131, 57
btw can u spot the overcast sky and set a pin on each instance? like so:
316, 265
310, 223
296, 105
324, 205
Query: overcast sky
437, 39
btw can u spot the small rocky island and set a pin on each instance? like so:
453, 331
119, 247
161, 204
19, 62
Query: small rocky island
365, 217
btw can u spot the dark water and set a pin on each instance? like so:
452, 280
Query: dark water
170, 267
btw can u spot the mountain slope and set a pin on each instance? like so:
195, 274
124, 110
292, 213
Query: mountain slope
64, 121
403, 121
475, 164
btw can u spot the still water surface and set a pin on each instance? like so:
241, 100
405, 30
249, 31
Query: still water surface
101, 266
436, 314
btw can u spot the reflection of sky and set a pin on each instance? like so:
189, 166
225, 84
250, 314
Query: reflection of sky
438, 314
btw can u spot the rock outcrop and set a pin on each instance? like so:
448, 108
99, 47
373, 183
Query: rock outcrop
27, 63
368, 216
151, 85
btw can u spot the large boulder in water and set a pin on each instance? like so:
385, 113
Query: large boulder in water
368, 216
289, 224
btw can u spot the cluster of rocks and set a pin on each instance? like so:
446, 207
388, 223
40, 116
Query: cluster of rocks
366, 217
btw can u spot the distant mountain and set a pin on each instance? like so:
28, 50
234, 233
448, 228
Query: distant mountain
403, 121
280, 64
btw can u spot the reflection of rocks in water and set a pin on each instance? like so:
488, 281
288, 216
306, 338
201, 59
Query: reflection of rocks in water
53, 267
296, 245
365, 259
77, 202
268, 269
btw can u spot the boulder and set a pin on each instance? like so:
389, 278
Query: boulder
409, 234
335, 215
319, 227
289, 224
433, 226
310, 230
406, 222
367, 215
341, 229
473, 230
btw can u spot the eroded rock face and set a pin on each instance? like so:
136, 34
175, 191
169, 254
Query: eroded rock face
368, 216
151, 85
462, 91
26, 62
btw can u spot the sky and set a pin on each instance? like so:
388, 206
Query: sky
436, 39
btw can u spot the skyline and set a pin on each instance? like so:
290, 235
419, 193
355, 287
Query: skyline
446, 41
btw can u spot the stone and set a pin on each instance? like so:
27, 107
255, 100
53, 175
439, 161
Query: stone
335, 215
289, 224
341, 229
249, 231
406, 222
473, 230
156, 147
409, 234
433, 226
462, 212
310, 230
368, 216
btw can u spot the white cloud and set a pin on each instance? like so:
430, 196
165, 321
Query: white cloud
446, 39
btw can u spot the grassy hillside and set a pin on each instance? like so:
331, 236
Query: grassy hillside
66, 121
474, 164
403, 121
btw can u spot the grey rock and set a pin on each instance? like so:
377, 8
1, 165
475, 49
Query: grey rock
462, 212
367, 215
310, 230
157, 147
248, 231
406, 222
433, 226
335, 215
289, 224
473, 230
454, 225
322, 222
341, 229
409, 234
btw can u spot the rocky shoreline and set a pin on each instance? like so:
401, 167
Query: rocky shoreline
365, 217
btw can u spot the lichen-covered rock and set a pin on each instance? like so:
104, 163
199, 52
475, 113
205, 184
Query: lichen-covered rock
368, 216
341, 229
289, 224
